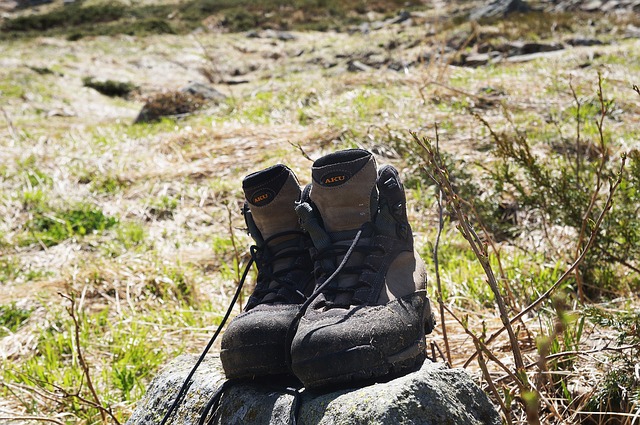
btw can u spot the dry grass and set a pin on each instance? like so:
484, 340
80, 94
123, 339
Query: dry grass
172, 184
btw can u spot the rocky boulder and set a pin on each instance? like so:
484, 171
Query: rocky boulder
431, 395
499, 9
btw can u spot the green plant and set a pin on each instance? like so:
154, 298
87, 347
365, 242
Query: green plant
52, 227
9, 268
34, 199
12, 317
619, 389
163, 208
105, 183
172, 284
240, 20
552, 186
529, 392
497, 215
33, 175
130, 234
67, 16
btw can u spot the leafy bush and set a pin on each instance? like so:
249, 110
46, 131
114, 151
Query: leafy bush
558, 187
76, 21
240, 20
619, 390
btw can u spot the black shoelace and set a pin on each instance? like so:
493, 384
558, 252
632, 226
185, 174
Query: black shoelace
294, 324
285, 290
264, 266
333, 290
208, 414
212, 405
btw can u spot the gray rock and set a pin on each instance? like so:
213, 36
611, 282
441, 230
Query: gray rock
534, 47
273, 34
582, 41
357, 66
632, 31
204, 91
478, 59
592, 6
534, 56
499, 8
431, 395
610, 5
516, 48
402, 17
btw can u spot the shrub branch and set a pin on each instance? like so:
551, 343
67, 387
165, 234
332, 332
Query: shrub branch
571, 269
85, 366
441, 178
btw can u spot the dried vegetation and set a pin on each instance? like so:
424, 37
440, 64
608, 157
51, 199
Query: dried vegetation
137, 226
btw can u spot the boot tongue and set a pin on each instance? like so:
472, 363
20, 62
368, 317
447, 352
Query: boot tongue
344, 189
271, 195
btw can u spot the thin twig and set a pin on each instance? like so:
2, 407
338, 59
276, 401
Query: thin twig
83, 363
304, 154
476, 244
12, 130
485, 349
596, 191
30, 418
636, 89
487, 377
578, 152
569, 271
437, 265
236, 252
67, 394
31, 391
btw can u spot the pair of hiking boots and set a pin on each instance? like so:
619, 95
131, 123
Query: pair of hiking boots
341, 293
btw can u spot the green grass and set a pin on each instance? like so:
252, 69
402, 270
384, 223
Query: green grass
11, 318
112, 18
53, 227
132, 345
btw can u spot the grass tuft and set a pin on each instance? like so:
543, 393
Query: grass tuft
52, 228
11, 318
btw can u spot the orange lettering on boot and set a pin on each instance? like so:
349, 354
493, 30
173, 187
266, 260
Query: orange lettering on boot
334, 179
260, 198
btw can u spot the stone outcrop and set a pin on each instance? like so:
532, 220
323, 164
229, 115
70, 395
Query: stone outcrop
499, 9
431, 395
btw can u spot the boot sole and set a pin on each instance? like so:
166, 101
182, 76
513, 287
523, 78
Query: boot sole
345, 367
255, 360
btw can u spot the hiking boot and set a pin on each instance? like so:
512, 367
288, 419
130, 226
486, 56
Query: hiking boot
254, 342
370, 319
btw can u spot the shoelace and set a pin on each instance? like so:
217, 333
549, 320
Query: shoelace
265, 260
214, 403
331, 291
187, 381
294, 324
268, 272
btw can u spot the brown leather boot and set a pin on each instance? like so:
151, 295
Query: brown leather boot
254, 343
369, 320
